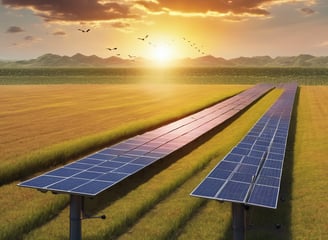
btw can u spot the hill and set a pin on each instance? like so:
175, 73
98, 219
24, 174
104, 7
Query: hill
80, 60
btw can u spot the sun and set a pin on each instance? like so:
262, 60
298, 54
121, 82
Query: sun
162, 53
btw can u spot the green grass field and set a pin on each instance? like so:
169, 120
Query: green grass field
39, 122
229, 75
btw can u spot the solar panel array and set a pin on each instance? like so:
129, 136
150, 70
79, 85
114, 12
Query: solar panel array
99, 171
251, 172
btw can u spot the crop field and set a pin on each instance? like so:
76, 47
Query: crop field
45, 123
304, 76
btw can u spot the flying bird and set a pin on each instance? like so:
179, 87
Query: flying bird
84, 30
111, 49
143, 39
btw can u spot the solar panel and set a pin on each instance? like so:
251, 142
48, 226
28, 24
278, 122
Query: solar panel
251, 172
264, 196
235, 191
99, 171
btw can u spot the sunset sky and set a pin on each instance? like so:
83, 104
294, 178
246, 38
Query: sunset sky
170, 28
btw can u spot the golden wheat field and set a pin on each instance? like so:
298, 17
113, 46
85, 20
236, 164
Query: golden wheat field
36, 116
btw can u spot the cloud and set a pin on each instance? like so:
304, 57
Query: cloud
307, 11
14, 29
323, 44
26, 41
75, 10
31, 39
235, 10
117, 11
59, 33
196, 7
120, 25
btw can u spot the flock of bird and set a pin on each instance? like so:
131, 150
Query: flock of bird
194, 45
133, 57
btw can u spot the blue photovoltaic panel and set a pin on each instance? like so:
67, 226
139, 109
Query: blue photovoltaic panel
209, 187
97, 172
112, 177
220, 174
88, 175
92, 188
264, 196
252, 170
268, 181
240, 151
235, 191
63, 172
273, 164
252, 160
129, 168
234, 157
68, 184
42, 181
242, 177
247, 169
90, 161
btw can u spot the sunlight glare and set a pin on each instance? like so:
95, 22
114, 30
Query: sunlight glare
162, 53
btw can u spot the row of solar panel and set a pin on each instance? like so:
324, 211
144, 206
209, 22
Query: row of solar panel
101, 170
251, 172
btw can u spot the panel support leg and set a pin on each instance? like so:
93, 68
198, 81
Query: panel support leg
238, 221
75, 231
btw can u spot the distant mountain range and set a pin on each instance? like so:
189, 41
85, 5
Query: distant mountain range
80, 60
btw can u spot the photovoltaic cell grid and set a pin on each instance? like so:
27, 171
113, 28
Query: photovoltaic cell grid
99, 171
251, 172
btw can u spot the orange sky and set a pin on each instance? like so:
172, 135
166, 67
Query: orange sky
175, 29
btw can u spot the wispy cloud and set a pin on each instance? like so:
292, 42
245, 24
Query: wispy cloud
323, 44
59, 33
26, 41
307, 11
31, 39
120, 25
14, 29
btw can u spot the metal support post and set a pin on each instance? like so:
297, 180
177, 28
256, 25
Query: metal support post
75, 231
238, 221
